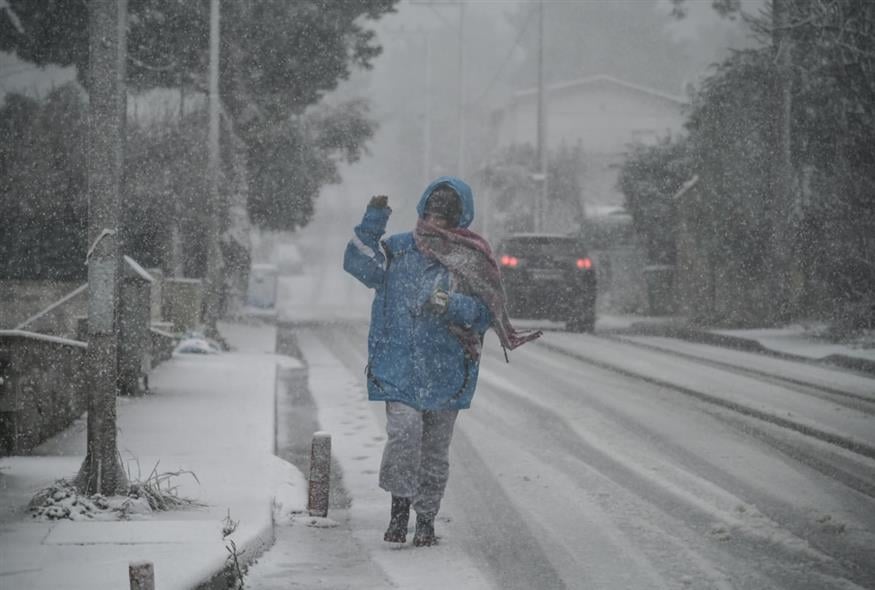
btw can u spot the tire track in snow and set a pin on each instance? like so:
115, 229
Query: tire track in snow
833, 437
851, 399
540, 373
493, 528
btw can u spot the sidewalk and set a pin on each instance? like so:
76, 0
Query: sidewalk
213, 415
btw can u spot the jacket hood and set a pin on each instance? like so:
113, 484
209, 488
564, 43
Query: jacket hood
461, 187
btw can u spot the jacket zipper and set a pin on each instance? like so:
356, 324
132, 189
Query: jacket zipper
461, 390
372, 378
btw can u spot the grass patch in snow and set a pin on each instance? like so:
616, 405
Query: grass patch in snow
157, 492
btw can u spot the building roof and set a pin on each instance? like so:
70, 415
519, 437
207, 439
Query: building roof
600, 79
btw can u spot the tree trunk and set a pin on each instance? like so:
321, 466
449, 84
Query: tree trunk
102, 472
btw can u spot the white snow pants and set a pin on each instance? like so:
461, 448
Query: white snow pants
416, 458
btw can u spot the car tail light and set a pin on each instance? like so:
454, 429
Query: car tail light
584, 263
510, 261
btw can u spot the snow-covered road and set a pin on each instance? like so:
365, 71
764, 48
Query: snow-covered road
601, 461
592, 463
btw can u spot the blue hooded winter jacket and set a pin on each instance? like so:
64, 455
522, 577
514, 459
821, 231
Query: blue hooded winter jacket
412, 355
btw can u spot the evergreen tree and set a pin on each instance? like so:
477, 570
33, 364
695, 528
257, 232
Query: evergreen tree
278, 59
42, 186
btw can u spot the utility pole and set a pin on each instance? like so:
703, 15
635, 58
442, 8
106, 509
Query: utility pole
460, 164
460, 147
426, 139
214, 272
784, 214
102, 472
541, 200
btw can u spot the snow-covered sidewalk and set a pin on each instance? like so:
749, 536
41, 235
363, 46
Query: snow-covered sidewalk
212, 415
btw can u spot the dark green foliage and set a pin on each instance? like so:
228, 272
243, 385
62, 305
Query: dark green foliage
732, 147
728, 8
291, 161
42, 186
165, 189
731, 139
277, 59
287, 54
509, 179
46, 31
650, 179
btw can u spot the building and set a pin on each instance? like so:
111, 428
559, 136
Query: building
604, 116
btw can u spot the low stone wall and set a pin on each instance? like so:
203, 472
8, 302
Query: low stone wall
20, 300
61, 318
42, 388
156, 294
621, 284
162, 345
181, 301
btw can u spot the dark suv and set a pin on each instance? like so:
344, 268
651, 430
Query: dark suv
549, 276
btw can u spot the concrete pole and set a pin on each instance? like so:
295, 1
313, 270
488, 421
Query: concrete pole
784, 213
541, 199
426, 140
320, 474
101, 472
460, 164
214, 275
141, 575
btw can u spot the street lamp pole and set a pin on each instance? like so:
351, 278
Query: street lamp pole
214, 271
460, 148
460, 164
426, 140
541, 200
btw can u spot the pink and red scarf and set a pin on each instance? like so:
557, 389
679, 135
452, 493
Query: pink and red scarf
469, 259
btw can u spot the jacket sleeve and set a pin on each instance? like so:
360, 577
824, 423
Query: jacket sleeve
469, 311
363, 258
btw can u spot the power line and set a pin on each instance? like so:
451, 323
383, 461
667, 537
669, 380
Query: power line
509, 55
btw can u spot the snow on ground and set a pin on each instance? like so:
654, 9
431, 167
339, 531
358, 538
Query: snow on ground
740, 390
211, 415
799, 340
357, 441
818, 375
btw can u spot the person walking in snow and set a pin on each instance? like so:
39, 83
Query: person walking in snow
438, 289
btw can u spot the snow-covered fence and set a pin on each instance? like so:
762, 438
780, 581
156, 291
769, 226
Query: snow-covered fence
41, 388
135, 312
181, 301
47, 307
162, 344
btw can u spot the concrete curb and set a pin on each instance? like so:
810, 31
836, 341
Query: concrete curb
255, 545
250, 549
692, 334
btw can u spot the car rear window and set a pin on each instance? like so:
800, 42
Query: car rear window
542, 246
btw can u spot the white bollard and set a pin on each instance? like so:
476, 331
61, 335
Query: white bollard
142, 575
320, 473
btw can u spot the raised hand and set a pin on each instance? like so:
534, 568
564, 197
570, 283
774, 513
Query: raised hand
379, 201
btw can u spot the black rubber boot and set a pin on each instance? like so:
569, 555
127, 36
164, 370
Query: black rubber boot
397, 531
424, 535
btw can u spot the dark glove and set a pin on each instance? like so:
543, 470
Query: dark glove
438, 302
379, 201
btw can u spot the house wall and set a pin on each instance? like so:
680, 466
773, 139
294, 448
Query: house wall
602, 116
